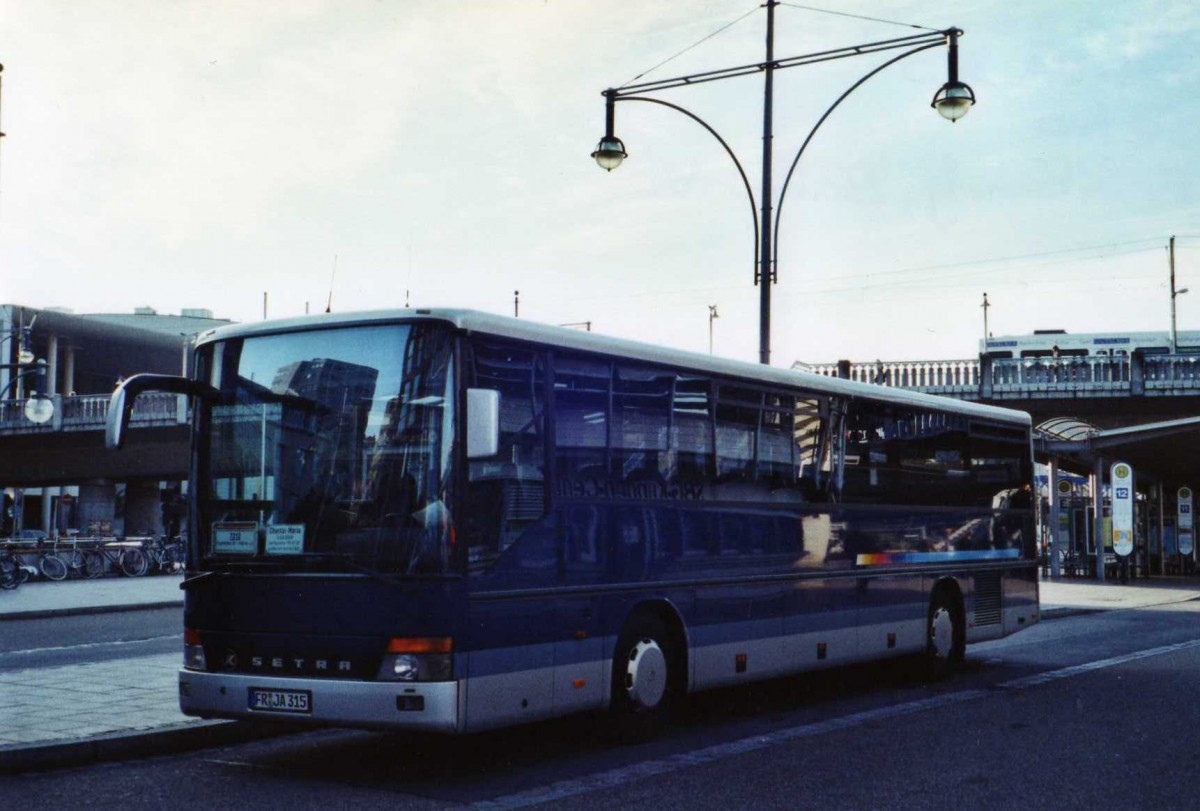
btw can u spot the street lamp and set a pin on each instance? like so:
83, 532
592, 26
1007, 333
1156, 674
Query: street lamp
952, 101
38, 407
954, 98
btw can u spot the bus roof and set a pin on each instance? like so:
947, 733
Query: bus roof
473, 321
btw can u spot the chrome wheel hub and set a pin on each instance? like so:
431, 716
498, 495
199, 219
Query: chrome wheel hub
646, 674
941, 633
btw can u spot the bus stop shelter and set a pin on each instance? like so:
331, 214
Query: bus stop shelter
1164, 457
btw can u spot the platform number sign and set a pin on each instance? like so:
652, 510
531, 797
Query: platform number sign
1184, 502
1122, 508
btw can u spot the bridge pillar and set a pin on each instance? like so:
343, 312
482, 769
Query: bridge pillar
69, 371
143, 508
52, 366
1055, 513
1137, 373
1162, 528
97, 504
48, 502
1098, 514
985, 376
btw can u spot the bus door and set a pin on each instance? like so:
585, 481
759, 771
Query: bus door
511, 546
821, 614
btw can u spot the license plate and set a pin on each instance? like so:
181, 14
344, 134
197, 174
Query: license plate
297, 701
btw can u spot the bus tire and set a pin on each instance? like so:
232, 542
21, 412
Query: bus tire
645, 678
945, 637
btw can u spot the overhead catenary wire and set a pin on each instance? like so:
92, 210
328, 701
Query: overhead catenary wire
859, 16
957, 273
699, 42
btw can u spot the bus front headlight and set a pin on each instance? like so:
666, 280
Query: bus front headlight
418, 659
193, 650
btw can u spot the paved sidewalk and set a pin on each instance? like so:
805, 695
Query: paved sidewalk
76, 714
43, 598
1068, 596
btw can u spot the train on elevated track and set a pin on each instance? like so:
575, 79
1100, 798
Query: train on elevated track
1060, 343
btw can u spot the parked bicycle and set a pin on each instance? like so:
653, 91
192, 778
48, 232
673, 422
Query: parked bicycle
166, 556
58, 563
126, 557
12, 572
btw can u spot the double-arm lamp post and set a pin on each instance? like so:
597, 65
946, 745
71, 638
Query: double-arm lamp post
952, 101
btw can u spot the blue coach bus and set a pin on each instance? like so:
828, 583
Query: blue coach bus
446, 520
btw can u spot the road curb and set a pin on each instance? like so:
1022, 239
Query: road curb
168, 740
94, 609
1069, 611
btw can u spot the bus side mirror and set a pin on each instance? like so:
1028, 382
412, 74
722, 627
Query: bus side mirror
120, 407
483, 423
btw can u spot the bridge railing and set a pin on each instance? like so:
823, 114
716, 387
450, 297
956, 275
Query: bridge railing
1173, 372
921, 374
88, 413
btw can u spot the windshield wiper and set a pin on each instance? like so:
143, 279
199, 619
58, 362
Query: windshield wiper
188, 582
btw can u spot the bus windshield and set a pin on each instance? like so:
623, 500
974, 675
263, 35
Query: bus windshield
328, 450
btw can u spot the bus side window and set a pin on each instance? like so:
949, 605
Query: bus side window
776, 462
738, 416
581, 420
641, 420
814, 439
507, 492
691, 446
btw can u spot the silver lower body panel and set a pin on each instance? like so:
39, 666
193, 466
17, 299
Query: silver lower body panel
427, 706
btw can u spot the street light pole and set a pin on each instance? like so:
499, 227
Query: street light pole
951, 101
765, 278
712, 316
985, 307
1174, 294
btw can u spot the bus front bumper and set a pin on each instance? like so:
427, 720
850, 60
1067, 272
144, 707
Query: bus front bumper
426, 706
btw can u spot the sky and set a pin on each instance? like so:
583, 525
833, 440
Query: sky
367, 154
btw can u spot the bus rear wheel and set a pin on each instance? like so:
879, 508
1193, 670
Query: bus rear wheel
945, 634
644, 678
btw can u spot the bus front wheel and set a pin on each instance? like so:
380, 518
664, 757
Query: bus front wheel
643, 678
945, 634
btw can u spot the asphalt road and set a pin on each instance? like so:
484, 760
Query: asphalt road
77, 640
1091, 711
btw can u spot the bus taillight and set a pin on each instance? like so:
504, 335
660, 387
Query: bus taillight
421, 644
